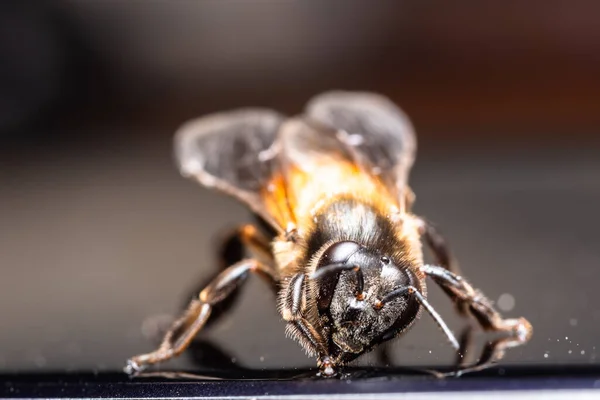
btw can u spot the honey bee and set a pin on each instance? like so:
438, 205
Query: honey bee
342, 250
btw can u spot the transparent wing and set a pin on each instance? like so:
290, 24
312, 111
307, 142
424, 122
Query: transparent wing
231, 152
310, 147
379, 133
314, 164
317, 164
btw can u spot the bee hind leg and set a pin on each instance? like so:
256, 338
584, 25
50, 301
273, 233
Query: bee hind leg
183, 331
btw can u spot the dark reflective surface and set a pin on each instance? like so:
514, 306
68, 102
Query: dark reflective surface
283, 383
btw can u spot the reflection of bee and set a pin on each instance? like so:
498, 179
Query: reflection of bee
344, 250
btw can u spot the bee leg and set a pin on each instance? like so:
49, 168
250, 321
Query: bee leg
291, 305
231, 250
244, 237
178, 338
479, 306
436, 242
438, 245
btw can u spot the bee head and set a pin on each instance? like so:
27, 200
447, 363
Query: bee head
361, 299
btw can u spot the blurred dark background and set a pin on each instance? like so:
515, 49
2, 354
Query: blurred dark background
101, 241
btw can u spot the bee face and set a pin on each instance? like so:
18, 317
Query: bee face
353, 302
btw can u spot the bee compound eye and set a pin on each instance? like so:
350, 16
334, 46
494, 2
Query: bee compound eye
334, 260
338, 252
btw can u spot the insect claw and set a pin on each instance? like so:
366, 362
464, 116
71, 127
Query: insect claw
133, 368
521, 329
326, 367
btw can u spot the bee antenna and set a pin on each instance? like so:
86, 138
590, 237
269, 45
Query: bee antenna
395, 293
336, 268
428, 307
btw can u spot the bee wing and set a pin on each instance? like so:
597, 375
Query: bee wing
316, 164
379, 133
310, 146
231, 152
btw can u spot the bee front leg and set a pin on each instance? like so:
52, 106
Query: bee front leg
480, 306
292, 304
178, 338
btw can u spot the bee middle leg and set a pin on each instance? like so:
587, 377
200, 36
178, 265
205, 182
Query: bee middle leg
438, 245
444, 258
183, 331
230, 250
479, 306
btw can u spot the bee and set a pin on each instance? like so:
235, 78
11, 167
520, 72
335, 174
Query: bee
342, 249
